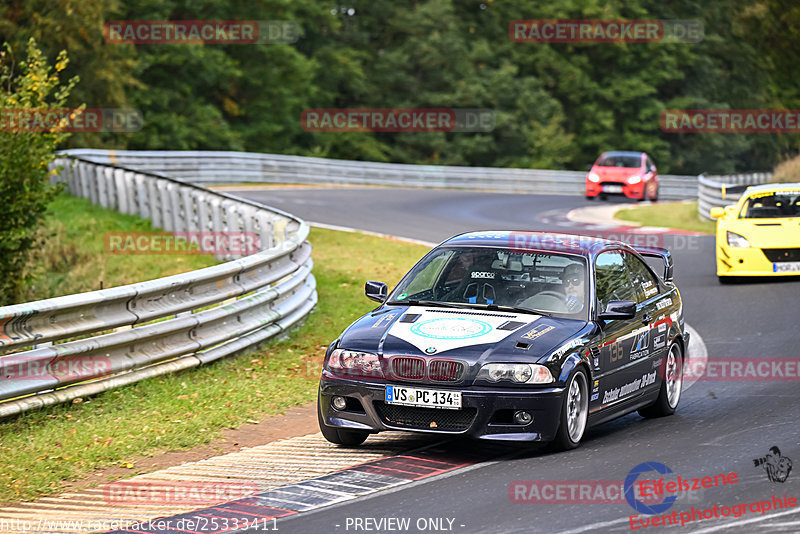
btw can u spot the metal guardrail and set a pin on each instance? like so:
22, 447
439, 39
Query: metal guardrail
94, 341
720, 191
242, 167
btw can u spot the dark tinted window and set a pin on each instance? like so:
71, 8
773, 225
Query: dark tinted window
620, 160
644, 283
554, 284
613, 282
772, 205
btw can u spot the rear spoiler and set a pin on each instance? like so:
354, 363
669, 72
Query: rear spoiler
658, 252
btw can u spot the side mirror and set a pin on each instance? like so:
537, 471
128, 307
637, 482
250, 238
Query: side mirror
377, 291
589, 167
716, 213
619, 309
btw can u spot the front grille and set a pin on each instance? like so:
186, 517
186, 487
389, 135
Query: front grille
445, 370
777, 255
408, 368
425, 418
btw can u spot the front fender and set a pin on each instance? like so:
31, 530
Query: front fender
572, 361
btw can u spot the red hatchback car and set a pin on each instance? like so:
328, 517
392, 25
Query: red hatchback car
632, 174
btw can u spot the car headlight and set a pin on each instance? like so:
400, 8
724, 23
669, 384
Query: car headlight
736, 240
593, 177
635, 179
520, 373
355, 363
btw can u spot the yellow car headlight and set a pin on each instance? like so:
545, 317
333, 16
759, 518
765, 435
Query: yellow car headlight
737, 241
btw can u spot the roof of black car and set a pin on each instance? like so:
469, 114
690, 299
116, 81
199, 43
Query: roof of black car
524, 241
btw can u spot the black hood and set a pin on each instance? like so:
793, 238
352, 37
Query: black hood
470, 335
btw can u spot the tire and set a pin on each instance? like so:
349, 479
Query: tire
350, 438
655, 195
725, 280
589, 198
575, 409
670, 394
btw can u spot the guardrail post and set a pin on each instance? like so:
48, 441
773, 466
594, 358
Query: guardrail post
121, 200
265, 230
217, 223
83, 180
156, 211
204, 223
143, 197
104, 181
94, 174
190, 207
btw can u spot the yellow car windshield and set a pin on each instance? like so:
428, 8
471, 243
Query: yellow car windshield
772, 205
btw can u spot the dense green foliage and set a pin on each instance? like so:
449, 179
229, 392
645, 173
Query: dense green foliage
557, 105
25, 188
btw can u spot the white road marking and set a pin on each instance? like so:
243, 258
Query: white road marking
696, 355
595, 526
367, 232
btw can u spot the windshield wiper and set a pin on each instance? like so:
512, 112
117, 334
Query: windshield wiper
498, 307
467, 306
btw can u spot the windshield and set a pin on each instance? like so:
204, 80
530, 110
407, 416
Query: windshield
620, 160
553, 284
772, 205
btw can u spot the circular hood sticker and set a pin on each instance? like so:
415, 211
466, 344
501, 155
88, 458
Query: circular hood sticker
451, 328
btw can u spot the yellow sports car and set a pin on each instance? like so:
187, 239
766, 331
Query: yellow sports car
760, 234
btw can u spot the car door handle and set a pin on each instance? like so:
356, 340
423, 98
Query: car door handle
647, 319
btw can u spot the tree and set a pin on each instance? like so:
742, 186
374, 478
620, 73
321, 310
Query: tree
32, 86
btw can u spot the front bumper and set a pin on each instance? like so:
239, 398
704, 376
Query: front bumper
733, 261
485, 412
594, 189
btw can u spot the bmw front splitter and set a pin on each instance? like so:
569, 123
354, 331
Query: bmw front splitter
486, 412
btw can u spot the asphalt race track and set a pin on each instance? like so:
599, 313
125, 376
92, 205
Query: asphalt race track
720, 427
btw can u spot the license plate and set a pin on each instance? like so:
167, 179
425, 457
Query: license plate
786, 267
612, 189
428, 398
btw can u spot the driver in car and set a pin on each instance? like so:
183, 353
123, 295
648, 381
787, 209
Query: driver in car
573, 284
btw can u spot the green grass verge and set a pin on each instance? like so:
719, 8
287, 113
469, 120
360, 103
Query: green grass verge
40, 449
72, 258
680, 215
